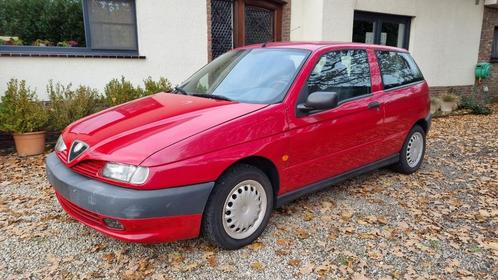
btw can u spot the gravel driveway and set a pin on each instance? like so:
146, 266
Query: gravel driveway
441, 222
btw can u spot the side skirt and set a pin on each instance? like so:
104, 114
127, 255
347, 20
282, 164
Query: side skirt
290, 196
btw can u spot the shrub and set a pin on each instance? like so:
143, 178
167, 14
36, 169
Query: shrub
68, 105
151, 86
449, 98
475, 106
121, 91
478, 102
20, 110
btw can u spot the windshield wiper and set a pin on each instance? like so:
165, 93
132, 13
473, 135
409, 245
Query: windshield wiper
180, 90
212, 96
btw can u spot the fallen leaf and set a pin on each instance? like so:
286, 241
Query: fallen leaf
258, 266
294, 262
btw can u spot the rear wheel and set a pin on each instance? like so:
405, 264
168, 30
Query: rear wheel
412, 153
239, 207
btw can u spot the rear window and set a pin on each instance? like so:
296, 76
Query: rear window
398, 69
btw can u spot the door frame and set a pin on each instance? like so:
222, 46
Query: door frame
239, 33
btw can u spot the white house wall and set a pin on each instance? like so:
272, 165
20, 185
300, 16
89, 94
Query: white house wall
172, 36
444, 36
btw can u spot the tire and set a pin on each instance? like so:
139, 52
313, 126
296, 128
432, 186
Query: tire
409, 159
243, 186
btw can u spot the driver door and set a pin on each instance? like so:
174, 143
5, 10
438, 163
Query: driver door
327, 143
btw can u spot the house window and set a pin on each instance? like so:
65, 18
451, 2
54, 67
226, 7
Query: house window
494, 51
236, 23
381, 29
68, 26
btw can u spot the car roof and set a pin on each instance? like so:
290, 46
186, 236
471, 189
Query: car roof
316, 45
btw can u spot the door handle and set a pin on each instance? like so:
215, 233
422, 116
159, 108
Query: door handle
375, 104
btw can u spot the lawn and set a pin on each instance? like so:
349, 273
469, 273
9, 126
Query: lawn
441, 222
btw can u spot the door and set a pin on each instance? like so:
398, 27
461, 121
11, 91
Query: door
327, 143
237, 23
404, 97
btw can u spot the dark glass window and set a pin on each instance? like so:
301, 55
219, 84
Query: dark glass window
364, 31
494, 52
381, 29
345, 72
42, 23
398, 69
112, 24
68, 25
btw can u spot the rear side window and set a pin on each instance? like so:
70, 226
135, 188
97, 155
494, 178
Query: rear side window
345, 72
398, 69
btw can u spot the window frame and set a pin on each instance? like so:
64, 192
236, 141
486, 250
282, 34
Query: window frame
379, 18
87, 50
494, 49
376, 52
302, 92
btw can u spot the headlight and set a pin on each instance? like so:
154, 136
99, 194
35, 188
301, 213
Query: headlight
126, 173
60, 146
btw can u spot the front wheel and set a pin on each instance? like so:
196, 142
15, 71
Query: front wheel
412, 153
239, 207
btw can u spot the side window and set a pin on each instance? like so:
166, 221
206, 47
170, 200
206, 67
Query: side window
345, 72
398, 69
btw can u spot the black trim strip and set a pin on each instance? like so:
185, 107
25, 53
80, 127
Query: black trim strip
71, 55
290, 196
404, 86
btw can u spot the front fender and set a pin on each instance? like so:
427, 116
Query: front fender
208, 167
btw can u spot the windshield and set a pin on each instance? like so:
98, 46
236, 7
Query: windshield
250, 76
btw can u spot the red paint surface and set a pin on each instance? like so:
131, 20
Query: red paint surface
188, 140
151, 230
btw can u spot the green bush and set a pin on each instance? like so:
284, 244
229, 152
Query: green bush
475, 106
151, 86
20, 110
119, 91
52, 21
68, 105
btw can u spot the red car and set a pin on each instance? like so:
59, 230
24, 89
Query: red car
255, 128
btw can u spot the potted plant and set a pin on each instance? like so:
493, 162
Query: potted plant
25, 117
435, 105
449, 103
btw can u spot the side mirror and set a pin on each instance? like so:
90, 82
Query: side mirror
319, 100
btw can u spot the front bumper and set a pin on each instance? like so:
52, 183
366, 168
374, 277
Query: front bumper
148, 216
428, 119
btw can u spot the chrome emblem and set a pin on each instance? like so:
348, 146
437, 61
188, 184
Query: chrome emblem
77, 148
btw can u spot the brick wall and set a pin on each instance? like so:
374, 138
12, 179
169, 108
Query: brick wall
286, 21
459, 90
490, 21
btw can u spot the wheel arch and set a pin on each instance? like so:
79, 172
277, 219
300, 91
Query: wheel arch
424, 124
265, 165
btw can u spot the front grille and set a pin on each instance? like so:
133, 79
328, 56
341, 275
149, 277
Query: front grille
62, 156
79, 212
89, 168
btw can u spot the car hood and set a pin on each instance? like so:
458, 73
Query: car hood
131, 132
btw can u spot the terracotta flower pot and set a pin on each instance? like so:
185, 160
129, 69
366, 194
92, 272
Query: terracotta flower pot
29, 144
447, 107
